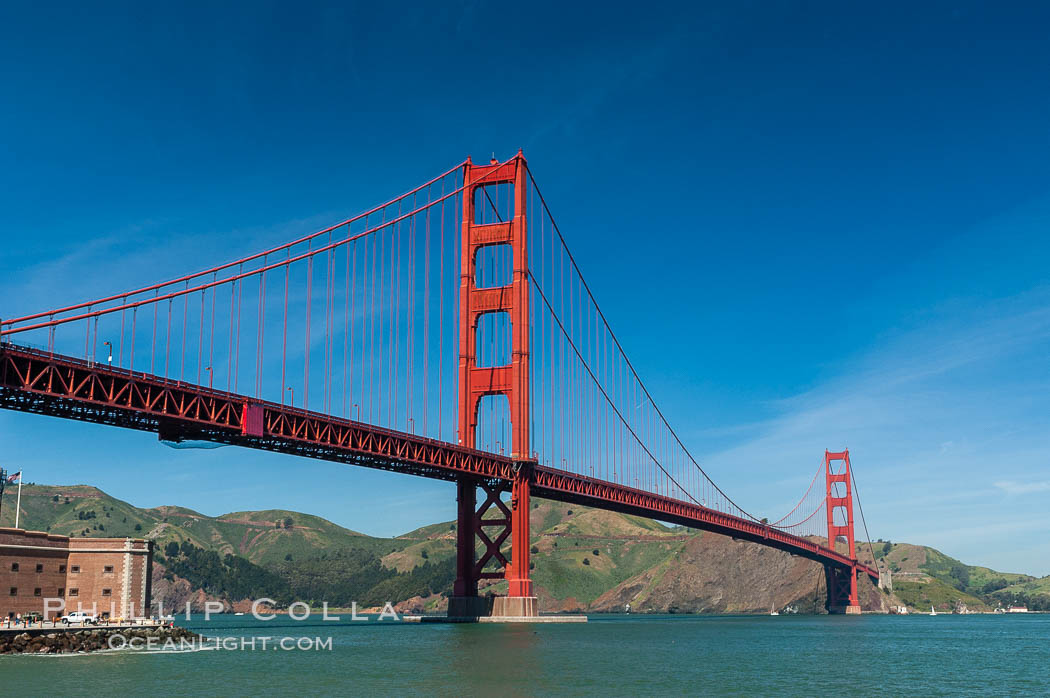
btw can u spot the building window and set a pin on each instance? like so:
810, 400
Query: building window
14, 591
61, 568
74, 591
61, 591
39, 567
107, 592
74, 569
36, 592
14, 566
108, 569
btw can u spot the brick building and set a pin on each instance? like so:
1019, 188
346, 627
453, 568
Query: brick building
107, 576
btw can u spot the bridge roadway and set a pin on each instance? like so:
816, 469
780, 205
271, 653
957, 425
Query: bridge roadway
39, 382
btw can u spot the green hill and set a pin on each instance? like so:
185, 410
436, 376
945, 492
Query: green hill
78, 510
263, 537
924, 577
1030, 592
583, 559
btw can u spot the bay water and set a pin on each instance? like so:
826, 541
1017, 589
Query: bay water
610, 655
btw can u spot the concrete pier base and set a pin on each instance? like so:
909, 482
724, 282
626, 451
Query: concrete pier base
495, 609
514, 607
845, 610
470, 606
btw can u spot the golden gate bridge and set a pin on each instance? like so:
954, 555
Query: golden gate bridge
448, 333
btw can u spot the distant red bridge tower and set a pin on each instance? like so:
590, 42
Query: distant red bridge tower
842, 582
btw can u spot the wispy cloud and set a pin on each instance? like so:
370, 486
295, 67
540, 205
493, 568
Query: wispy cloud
1012, 487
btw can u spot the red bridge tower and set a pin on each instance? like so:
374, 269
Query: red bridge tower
512, 381
842, 582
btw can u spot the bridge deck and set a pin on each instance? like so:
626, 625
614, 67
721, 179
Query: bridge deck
44, 383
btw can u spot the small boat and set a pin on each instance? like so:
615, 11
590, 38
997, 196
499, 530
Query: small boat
773, 611
932, 611
239, 613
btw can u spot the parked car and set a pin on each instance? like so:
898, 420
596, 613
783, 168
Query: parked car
80, 617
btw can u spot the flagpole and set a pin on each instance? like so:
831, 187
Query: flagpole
18, 502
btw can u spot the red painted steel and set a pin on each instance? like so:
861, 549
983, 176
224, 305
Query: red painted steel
511, 380
466, 583
518, 579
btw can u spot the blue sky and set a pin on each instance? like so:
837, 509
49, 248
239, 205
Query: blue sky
812, 225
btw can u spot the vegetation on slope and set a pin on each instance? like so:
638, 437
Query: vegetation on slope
1033, 593
925, 577
583, 558
263, 537
227, 576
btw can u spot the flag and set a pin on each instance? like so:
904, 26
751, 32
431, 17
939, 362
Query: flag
12, 478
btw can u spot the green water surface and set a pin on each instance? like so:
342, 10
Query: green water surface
610, 655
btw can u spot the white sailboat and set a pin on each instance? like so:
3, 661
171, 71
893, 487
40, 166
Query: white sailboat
932, 611
773, 611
